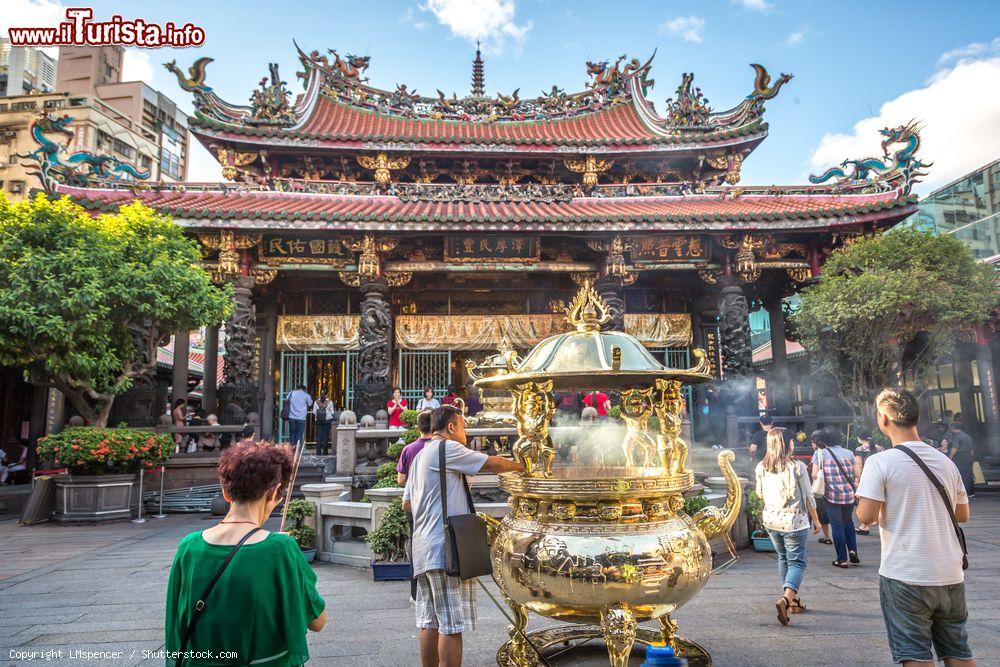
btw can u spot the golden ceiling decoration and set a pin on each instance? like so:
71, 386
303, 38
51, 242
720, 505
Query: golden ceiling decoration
590, 166
231, 162
383, 166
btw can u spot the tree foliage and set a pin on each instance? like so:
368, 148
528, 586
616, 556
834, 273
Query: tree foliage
891, 304
85, 301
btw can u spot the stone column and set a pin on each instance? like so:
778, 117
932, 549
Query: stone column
988, 387
238, 395
209, 381
610, 289
372, 391
738, 387
182, 342
267, 357
778, 387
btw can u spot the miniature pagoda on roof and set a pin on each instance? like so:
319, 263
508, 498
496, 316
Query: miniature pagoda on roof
380, 237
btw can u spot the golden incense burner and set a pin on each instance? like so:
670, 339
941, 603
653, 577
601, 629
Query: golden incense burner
603, 544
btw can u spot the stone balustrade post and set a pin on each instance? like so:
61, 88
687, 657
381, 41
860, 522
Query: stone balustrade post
347, 449
381, 499
318, 494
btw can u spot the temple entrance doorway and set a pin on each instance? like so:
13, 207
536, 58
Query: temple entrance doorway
323, 373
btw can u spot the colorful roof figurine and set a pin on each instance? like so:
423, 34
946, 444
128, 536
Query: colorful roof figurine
340, 109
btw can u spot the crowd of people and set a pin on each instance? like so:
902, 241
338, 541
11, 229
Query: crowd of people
910, 490
916, 496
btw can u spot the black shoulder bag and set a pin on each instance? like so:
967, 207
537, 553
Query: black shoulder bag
944, 496
466, 547
199, 607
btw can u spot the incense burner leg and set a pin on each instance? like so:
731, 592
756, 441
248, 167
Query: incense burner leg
619, 627
519, 654
668, 631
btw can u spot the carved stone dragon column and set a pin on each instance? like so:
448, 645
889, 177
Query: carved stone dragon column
372, 391
237, 395
738, 388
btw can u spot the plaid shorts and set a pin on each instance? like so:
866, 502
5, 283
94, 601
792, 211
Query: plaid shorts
446, 604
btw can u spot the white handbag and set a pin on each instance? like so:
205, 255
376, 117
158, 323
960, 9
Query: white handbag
819, 484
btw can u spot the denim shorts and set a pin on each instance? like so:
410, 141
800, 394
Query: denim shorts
917, 617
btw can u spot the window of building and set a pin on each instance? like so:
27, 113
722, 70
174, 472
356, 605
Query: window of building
3, 107
15, 186
13, 158
103, 140
78, 102
23, 106
147, 162
123, 148
54, 104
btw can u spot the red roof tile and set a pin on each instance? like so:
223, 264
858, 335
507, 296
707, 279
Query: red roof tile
325, 211
334, 122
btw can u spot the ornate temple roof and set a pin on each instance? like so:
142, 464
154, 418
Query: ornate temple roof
340, 109
308, 211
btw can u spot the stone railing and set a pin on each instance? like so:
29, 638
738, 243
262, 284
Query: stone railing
341, 524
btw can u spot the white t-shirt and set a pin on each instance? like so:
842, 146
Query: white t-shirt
423, 490
919, 545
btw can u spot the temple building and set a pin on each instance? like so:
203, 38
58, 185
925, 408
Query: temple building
380, 238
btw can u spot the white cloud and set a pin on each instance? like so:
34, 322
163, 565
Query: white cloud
796, 38
409, 18
754, 5
976, 50
202, 166
32, 14
688, 28
491, 21
959, 110
137, 66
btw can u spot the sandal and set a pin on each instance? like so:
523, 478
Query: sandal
825, 540
853, 555
796, 607
862, 531
841, 563
782, 606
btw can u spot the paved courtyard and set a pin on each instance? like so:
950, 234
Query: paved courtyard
101, 588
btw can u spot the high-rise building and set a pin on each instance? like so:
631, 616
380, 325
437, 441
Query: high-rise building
126, 119
25, 70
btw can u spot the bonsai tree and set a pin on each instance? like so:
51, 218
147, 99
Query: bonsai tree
388, 541
298, 511
888, 305
85, 301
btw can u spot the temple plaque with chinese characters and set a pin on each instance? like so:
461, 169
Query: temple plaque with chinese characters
491, 249
275, 249
686, 248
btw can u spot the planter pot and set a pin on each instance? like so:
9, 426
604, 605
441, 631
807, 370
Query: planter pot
93, 498
392, 571
761, 541
309, 555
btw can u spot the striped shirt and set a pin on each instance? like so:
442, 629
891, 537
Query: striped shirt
919, 545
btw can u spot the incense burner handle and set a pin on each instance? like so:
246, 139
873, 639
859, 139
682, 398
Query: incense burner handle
715, 521
491, 526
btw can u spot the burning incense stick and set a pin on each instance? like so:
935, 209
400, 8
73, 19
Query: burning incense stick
296, 460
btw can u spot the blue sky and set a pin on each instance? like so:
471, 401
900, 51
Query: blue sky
854, 62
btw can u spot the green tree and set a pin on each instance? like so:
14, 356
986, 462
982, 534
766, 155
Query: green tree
85, 301
891, 304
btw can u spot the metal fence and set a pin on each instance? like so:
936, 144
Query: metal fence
423, 368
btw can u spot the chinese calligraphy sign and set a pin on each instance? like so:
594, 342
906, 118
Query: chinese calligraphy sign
685, 248
491, 249
275, 249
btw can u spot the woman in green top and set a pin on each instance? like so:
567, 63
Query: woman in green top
266, 598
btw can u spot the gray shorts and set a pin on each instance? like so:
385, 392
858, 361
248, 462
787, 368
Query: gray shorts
918, 617
446, 604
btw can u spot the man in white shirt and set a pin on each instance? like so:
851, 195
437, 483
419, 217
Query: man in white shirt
921, 582
446, 606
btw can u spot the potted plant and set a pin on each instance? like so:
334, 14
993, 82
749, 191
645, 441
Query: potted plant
755, 508
305, 536
388, 545
102, 464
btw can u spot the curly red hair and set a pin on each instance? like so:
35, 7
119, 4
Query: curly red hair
248, 470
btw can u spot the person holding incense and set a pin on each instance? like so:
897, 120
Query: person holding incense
240, 589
